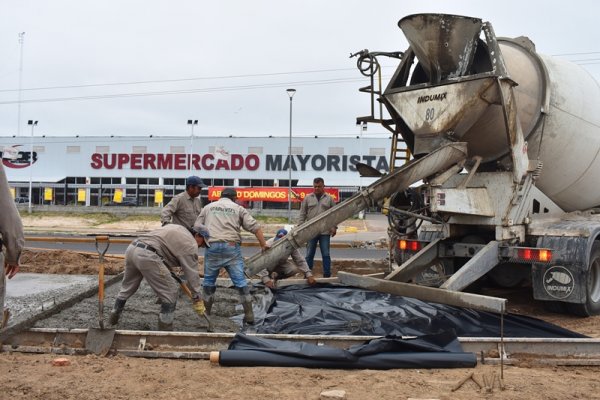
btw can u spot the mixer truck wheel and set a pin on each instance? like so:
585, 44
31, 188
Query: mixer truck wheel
509, 275
592, 304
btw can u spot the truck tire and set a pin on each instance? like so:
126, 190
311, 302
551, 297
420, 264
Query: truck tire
509, 275
592, 304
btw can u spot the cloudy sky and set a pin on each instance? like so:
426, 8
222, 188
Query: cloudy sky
140, 67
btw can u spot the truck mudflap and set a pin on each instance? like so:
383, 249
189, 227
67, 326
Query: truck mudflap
565, 279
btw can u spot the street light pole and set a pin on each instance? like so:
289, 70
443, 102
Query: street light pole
191, 122
291, 93
33, 124
21, 40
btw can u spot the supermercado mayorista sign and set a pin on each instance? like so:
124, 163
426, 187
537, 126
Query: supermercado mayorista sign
234, 162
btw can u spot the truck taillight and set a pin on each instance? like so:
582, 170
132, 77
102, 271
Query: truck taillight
409, 245
527, 254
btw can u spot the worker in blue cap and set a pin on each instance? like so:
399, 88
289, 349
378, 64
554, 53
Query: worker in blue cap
184, 208
286, 268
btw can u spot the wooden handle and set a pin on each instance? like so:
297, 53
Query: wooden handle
186, 290
101, 282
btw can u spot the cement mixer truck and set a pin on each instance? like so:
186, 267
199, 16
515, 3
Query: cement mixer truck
520, 207
505, 144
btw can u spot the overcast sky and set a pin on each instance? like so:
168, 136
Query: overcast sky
121, 67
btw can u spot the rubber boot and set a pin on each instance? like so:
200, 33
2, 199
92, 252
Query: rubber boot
246, 300
115, 314
166, 317
208, 295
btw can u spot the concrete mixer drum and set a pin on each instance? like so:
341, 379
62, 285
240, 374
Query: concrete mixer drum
532, 130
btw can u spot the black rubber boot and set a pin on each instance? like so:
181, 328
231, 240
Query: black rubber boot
115, 314
208, 295
166, 317
246, 300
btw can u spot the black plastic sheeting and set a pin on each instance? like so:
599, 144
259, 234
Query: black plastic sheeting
432, 351
340, 310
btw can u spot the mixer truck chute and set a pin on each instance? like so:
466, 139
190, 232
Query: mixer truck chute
532, 130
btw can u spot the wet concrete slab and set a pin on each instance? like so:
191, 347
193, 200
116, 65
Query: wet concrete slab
29, 286
30, 294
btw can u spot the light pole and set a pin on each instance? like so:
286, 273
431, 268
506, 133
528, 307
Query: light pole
191, 122
33, 124
21, 40
291, 93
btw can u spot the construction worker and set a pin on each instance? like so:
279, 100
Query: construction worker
313, 205
184, 208
286, 268
12, 240
153, 256
225, 219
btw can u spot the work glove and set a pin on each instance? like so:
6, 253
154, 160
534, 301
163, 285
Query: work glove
198, 307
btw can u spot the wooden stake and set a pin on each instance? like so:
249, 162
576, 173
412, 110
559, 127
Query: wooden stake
462, 382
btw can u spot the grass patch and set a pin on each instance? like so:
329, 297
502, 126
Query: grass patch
93, 218
265, 219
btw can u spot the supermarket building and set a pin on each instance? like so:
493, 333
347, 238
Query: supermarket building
94, 171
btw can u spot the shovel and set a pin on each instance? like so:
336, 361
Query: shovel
187, 291
99, 341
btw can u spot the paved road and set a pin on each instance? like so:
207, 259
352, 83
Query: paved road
340, 243
119, 248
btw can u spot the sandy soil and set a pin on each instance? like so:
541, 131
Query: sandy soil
33, 377
25, 376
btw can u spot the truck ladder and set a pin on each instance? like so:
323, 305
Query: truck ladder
400, 154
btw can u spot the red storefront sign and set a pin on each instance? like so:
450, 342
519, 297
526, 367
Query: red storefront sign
276, 194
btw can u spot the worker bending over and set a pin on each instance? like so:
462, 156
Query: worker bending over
286, 268
153, 256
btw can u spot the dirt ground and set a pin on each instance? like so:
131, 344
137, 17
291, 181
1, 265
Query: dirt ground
25, 376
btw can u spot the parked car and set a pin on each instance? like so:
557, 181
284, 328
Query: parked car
127, 202
22, 200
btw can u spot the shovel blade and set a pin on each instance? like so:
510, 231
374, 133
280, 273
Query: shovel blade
99, 341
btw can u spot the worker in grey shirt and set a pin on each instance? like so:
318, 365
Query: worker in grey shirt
225, 219
12, 240
153, 256
286, 268
314, 204
184, 208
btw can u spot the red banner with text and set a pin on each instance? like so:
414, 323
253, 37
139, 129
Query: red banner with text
276, 194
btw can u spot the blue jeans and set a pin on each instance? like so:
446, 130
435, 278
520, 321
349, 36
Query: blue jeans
311, 249
224, 255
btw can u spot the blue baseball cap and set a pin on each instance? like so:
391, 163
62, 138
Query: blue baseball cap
280, 233
194, 181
